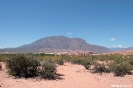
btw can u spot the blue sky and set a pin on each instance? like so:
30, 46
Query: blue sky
106, 23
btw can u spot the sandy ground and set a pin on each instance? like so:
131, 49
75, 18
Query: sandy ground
69, 76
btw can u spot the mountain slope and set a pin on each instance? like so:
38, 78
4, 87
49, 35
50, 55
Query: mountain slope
61, 42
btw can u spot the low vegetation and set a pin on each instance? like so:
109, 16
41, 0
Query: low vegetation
0, 66
44, 65
87, 63
100, 68
22, 66
122, 69
48, 69
60, 60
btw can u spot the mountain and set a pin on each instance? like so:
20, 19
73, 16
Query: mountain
118, 49
58, 42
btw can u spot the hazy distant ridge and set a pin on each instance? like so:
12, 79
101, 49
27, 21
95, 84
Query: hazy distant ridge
118, 49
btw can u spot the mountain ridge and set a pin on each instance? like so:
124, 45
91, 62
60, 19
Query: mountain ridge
118, 49
59, 42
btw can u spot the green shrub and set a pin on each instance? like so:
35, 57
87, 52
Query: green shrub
60, 61
22, 66
32, 67
131, 61
100, 68
122, 69
118, 60
76, 61
3, 58
103, 57
48, 69
87, 63
111, 66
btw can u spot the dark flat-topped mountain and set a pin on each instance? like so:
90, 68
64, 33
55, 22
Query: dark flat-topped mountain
60, 42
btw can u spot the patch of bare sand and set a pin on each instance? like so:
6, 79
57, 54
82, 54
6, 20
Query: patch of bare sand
69, 76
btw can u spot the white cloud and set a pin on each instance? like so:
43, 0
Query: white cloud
69, 33
117, 46
112, 39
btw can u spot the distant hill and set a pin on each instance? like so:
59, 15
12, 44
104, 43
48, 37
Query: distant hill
58, 42
117, 49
